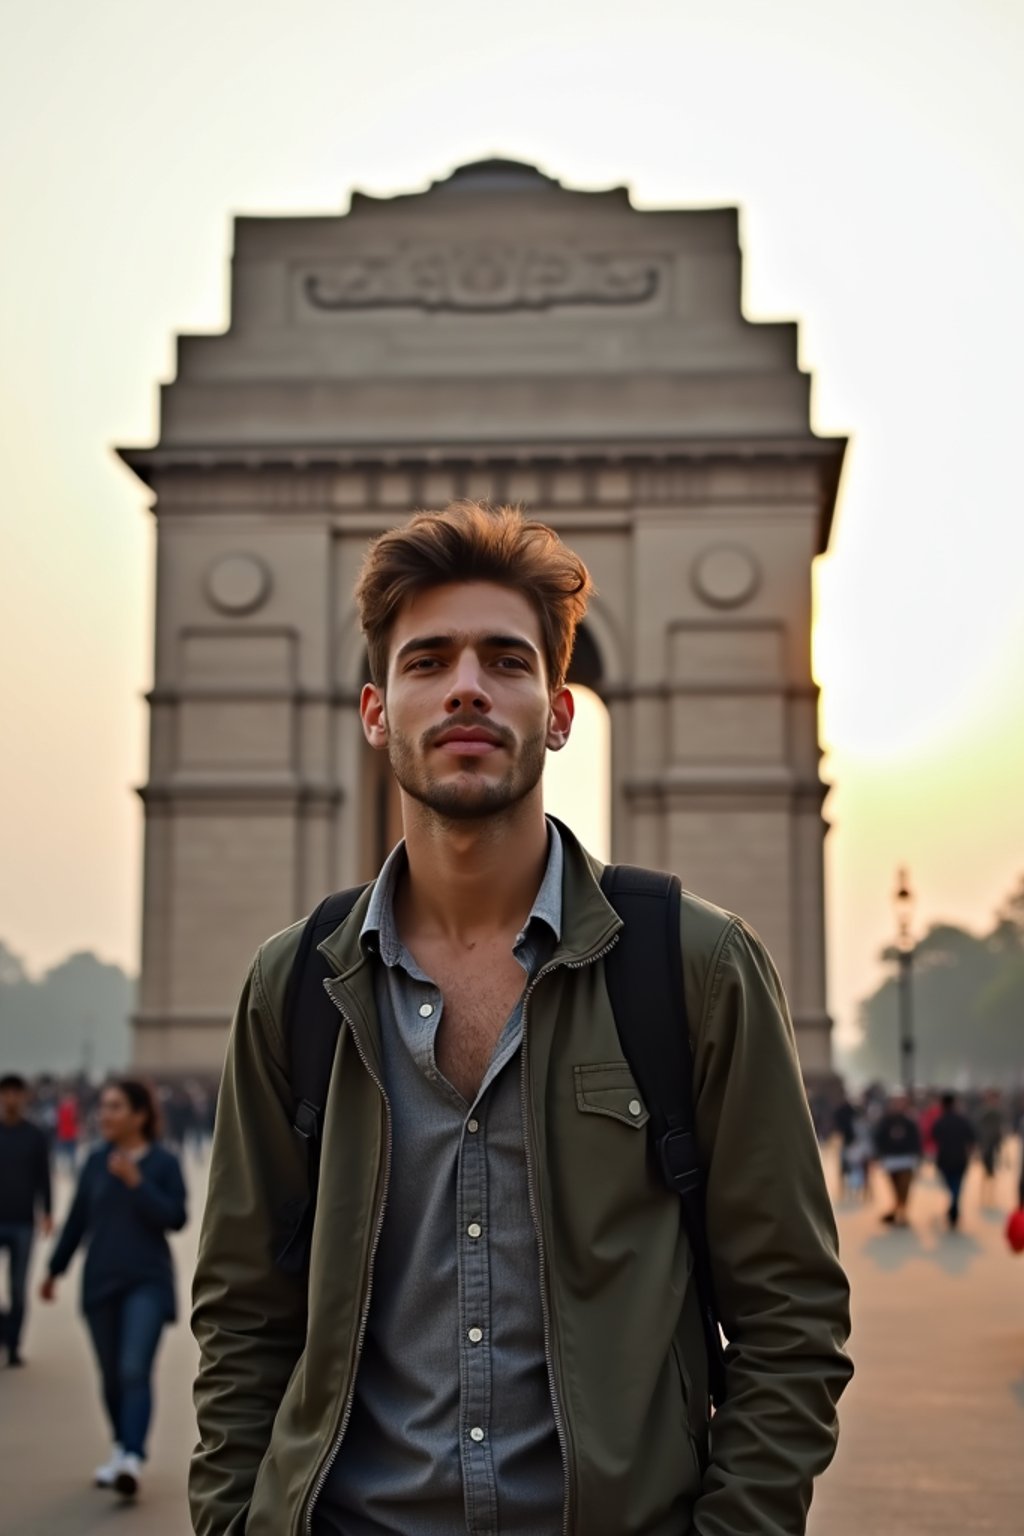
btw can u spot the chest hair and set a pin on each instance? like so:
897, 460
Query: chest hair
480, 988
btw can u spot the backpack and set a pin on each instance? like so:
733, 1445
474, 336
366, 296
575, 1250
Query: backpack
644, 975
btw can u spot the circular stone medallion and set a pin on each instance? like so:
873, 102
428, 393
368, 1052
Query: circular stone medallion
237, 584
726, 575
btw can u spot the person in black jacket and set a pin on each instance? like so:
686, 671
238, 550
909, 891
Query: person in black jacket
955, 1139
898, 1149
130, 1194
24, 1198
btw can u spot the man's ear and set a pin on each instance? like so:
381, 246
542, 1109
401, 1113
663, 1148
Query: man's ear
374, 717
563, 709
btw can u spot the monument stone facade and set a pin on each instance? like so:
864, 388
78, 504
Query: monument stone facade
498, 336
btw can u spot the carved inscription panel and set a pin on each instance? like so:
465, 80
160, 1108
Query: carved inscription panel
480, 278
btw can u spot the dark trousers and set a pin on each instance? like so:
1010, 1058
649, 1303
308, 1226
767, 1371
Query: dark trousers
125, 1335
954, 1178
17, 1239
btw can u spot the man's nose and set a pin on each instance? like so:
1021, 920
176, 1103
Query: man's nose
467, 688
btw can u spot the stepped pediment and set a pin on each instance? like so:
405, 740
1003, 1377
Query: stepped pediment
496, 304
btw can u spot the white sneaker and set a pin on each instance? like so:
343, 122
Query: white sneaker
127, 1480
104, 1476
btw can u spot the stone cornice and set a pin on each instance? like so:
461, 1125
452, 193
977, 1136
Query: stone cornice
732, 782
569, 477
193, 1018
236, 795
145, 462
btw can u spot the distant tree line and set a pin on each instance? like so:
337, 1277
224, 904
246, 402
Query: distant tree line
968, 1008
74, 1018
968, 1011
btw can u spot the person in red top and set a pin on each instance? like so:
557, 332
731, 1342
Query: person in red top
68, 1131
926, 1123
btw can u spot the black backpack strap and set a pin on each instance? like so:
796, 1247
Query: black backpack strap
311, 1024
644, 975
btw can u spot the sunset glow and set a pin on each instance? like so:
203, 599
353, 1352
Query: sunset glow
876, 157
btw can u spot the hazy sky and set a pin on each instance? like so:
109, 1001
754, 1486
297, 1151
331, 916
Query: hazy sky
877, 153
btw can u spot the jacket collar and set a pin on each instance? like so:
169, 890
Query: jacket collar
589, 922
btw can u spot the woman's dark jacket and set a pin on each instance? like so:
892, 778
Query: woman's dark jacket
124, 1228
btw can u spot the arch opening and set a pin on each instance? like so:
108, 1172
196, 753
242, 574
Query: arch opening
577, 780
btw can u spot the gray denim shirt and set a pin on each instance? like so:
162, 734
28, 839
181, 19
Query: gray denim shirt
452, 1426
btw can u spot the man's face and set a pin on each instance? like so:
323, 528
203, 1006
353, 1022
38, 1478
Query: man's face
12, 1103
467, 713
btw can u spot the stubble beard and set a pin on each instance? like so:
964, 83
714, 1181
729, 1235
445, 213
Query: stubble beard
472, 797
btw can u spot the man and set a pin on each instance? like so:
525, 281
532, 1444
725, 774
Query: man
24, 1200
499, 1329
955, 1140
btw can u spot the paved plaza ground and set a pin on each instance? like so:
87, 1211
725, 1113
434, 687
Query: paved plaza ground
932, 1427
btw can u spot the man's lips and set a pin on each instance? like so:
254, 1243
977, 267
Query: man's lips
458, 748
468, 742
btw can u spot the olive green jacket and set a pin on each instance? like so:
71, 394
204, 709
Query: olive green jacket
279, 1353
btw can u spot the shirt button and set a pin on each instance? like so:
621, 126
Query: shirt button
426, 1009
472, 1126
476, 1433
474, 1229
635, 1107
475, 1335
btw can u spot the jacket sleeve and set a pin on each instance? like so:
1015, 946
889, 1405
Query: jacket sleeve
249, 1317
783, 1298
161, 1201
75, 1226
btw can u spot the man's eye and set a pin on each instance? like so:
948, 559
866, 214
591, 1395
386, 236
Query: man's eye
512, 662
424, 664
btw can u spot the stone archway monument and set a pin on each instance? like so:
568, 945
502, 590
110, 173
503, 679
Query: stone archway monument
503, 337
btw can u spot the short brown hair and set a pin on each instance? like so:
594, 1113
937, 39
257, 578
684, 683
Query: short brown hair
473, 541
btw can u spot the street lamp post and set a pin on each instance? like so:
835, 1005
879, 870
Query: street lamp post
903, 901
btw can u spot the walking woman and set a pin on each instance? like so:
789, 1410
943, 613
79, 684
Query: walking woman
130, 1194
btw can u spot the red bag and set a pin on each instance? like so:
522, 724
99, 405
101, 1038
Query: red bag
1015, 1230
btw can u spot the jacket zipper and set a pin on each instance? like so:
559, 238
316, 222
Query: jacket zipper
531, 1185
332, 1456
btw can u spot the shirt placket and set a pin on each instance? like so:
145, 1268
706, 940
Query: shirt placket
473, 1216
475, 1325
475, 1351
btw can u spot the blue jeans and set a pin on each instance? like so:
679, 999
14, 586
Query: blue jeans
125, 1334
17, 1239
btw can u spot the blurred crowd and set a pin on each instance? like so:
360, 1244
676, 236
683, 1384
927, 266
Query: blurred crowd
67, 1110
892, 1133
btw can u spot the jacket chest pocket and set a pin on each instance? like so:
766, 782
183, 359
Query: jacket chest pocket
608, 1088
611, 1203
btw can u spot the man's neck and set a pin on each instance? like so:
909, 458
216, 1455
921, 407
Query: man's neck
12, 1119
473, 879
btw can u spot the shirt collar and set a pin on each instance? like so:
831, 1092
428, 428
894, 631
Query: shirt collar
380, 933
